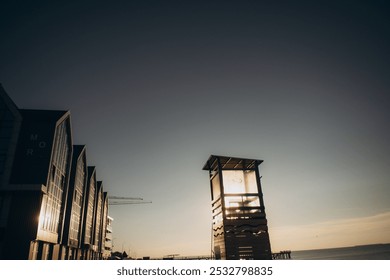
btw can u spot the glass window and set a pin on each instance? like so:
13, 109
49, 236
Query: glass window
239, 181
241, 201
216, 187
56, 183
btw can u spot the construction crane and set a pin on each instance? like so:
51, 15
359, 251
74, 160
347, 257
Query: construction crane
121, 200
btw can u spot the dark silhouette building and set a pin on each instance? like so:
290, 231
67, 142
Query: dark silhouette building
38, 185
10, 122
239, 224
50, 204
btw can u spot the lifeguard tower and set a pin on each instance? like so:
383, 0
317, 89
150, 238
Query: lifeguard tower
239, 224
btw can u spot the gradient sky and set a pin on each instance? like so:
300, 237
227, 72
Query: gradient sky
155, 87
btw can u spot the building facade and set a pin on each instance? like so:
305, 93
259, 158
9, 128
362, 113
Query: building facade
108, 243
47, 192
98, 230
75, 204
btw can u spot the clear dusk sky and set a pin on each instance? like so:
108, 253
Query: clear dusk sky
155, 87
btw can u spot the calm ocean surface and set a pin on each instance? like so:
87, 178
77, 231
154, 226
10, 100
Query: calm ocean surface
365, 252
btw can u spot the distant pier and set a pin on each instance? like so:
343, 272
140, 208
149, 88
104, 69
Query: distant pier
282, 255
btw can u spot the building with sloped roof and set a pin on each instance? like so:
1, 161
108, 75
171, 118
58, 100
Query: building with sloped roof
51, 205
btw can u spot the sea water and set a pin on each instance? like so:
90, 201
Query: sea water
364, 252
